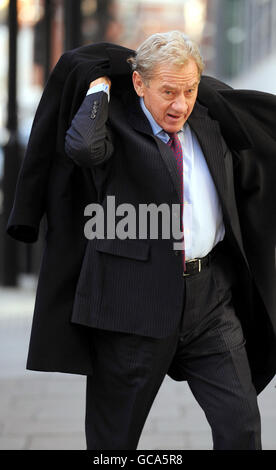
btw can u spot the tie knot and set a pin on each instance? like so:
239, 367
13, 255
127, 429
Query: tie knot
174, 139
173, 135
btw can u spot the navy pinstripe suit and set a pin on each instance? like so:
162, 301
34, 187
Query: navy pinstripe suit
146, 319
140, 170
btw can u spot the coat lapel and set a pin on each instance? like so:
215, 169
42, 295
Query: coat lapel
170, 162
139, 122
208, 134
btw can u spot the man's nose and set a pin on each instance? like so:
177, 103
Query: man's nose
180, 105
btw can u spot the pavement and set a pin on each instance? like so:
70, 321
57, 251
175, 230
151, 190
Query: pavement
45, 411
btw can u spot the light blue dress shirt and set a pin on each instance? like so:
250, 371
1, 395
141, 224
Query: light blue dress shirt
202, 215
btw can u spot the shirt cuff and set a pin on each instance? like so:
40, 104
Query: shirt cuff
100, 87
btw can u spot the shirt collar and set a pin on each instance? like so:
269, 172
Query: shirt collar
156, 129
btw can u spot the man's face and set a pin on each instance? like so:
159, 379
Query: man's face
171, 93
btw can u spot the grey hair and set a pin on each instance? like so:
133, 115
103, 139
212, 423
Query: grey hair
173, 47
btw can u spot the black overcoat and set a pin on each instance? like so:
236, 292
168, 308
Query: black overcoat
51, 183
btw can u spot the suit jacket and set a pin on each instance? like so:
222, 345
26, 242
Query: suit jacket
242, 165
136, 285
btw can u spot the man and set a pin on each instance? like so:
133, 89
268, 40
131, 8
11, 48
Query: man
152, 310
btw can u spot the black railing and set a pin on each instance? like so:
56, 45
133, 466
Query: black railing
11, 153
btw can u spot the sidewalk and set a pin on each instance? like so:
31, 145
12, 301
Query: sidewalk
45, 411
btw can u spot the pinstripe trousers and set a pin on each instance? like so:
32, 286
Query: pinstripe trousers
207, 350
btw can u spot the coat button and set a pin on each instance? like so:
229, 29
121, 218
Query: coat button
176, 252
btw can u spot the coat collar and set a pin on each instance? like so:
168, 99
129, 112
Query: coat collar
232, 128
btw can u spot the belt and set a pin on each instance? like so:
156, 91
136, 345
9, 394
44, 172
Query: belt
196, 265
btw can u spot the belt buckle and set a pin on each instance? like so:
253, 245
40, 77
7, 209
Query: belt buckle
199, 265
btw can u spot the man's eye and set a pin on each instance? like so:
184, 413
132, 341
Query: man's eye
168, 92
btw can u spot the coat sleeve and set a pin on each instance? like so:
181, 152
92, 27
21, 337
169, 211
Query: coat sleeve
88, 141
31, 188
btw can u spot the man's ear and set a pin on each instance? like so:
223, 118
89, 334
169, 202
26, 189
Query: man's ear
138, 83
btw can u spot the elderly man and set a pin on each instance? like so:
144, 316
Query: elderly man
154, 310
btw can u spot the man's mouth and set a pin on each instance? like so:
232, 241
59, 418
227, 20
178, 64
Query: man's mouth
174, 116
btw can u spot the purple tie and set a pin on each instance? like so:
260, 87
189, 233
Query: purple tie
176, 147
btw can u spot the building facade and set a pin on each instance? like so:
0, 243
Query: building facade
234, 36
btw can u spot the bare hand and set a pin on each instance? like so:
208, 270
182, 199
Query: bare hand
104, 79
